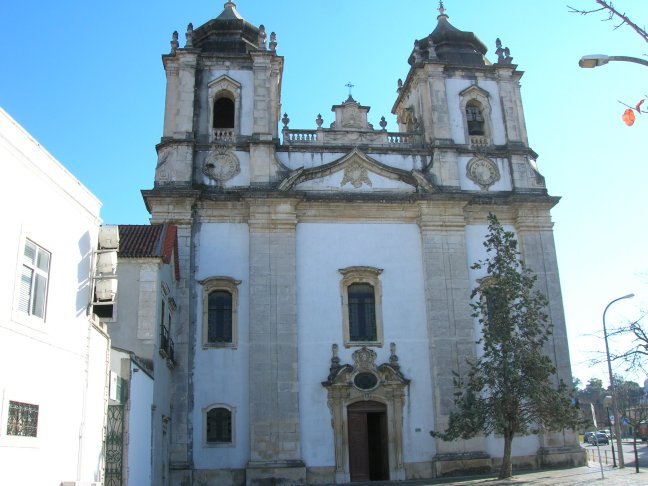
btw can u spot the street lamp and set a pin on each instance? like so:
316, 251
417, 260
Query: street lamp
617, 418
595, 60
606, 402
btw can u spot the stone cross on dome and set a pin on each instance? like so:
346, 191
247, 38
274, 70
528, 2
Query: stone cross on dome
441, 8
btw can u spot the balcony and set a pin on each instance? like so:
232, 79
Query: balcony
166, 347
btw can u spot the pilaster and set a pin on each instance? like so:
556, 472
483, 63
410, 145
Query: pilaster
451, 329
535, 236
275, 453
439, 129
178, 211
512, 106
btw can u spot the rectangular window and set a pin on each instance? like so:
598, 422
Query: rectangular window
33, 280
219, 317
23, 419
362, 312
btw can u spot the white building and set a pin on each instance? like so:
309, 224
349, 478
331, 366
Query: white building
53, 357
323, 300
142, 358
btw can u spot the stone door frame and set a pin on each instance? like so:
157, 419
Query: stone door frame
389, 391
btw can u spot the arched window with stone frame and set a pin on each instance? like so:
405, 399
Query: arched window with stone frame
361, 294
218, 426
225, 109
476, 113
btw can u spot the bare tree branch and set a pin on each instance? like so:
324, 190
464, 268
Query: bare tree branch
613, 13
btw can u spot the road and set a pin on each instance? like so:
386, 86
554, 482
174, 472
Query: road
628, 453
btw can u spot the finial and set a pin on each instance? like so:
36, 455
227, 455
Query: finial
383, 123
273, 41
229, 4
441, 8
262, 37
189, 35
285, 120
174, 41
319, 120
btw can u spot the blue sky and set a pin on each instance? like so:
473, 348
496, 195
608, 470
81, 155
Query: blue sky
86, 80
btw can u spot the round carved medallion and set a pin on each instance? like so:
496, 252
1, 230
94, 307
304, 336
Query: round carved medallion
483, 172
221, 164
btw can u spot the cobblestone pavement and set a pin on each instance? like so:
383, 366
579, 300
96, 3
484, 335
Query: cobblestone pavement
556, 477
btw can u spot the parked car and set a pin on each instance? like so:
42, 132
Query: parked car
601, 437
586, 437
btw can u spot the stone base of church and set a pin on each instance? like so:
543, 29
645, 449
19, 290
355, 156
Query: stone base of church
275, 473
460, 464
549, 457
222, 477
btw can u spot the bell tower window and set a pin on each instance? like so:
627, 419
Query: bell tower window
224, 113
475, 119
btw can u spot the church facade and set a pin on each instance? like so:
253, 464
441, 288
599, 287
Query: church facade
324, 294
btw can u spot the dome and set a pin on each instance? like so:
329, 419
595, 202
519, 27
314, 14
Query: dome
229, 33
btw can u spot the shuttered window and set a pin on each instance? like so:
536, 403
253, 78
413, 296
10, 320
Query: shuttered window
34, 277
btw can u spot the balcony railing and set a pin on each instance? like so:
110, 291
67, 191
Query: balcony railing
166, 346
328, 136
223, 135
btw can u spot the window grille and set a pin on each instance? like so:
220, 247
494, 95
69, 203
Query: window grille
23, 419
219, 425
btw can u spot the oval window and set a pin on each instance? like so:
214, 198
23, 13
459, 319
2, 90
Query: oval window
365, 381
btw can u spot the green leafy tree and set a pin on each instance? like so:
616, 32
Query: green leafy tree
512, 388
594, 394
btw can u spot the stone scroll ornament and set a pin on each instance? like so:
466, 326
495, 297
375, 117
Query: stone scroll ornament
483, 172
221, 164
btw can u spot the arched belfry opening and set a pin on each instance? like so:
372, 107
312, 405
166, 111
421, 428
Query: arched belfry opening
366, 401
224, 112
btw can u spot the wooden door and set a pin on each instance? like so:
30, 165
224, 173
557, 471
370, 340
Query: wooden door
368, 444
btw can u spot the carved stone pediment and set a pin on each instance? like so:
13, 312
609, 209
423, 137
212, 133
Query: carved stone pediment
359, 171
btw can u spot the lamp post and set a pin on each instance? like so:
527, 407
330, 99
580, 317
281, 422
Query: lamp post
617, 418
595, 60
607, 401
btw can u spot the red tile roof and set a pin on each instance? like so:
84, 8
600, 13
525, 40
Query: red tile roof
149, 241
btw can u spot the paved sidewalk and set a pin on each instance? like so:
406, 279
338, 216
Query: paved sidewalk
578, 476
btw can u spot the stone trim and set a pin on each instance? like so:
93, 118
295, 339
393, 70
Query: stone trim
210, 285
224, 87
369, 275
481, 97
391, 392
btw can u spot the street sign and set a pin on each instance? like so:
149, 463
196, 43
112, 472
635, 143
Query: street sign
611, 419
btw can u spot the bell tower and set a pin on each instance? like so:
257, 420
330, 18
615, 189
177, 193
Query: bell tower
223, 90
